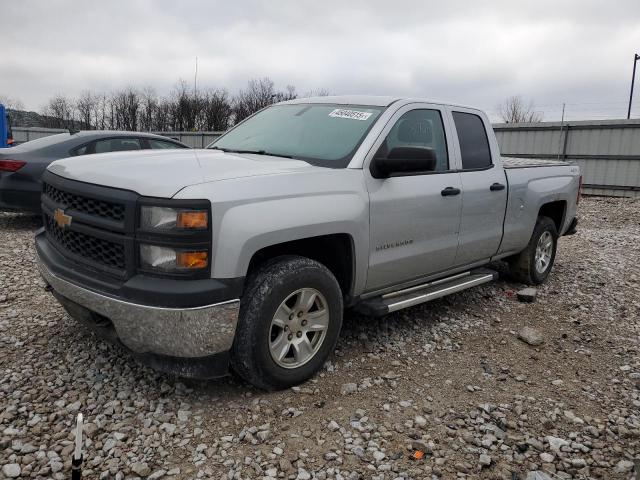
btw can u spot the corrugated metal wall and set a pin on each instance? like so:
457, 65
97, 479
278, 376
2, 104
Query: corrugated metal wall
608, 151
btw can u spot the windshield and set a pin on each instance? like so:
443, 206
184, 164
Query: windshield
321, 134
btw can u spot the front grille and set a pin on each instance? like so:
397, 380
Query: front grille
95, 249
91, 206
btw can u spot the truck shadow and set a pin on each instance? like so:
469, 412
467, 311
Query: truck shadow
361, 335
19, 221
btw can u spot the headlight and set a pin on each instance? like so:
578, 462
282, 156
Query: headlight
164, 218
166, 259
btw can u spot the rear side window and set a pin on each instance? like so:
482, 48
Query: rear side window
117, 145
474, 144
83, 150
160, 144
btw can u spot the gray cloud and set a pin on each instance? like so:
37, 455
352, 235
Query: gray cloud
471, 52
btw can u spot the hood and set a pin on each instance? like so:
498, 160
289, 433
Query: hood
162, 173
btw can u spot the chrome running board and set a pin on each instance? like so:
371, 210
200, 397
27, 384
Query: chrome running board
408, 297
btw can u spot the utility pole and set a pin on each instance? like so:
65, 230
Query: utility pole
636, 57
195, 80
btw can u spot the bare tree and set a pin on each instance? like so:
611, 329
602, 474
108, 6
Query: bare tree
149, 108
514, 110
185, 107
126, 109
162, 121
317, 92
60, 112
99, 114
85, 105
11, 103
216, 110
260, 93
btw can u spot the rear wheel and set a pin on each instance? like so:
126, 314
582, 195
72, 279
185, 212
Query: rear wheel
290, 319
533, 265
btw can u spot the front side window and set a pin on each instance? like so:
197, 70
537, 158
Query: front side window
474, 144
321, 134
117, 145
423, 129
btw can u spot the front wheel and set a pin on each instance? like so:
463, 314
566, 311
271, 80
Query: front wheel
290, 319
533, 265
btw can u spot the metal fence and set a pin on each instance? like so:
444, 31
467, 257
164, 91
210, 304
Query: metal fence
607, 151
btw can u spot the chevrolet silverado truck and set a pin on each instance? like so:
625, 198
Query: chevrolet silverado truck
245, 254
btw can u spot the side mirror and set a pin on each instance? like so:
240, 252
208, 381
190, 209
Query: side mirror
404, 161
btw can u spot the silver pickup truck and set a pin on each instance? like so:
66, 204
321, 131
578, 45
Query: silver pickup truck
245, 254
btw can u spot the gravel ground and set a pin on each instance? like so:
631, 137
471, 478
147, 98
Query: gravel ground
452, 380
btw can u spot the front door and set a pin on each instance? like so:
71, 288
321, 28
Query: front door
413, 225
484, 188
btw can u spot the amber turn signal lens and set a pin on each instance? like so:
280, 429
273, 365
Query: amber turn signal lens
196, 219
192, 259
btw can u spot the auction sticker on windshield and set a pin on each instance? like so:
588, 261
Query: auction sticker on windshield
352, 114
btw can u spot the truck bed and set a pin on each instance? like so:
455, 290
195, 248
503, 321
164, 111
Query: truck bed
516, 162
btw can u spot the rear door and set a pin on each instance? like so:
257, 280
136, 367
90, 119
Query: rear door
413, 225
484, 188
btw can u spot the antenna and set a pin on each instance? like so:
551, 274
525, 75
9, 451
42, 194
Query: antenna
195, 80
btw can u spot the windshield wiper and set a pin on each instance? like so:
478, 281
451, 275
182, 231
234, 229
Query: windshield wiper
256, 152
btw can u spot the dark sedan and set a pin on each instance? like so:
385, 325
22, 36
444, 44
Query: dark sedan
22, 166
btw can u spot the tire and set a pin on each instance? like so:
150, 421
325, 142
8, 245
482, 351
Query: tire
259, 354
522, 267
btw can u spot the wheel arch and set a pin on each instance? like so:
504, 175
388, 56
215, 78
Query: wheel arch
556, 211
335, 251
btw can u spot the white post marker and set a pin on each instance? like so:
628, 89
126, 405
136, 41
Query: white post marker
76, 461
77, 453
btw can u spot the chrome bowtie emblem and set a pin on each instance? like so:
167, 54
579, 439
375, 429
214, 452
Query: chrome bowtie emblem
62, 219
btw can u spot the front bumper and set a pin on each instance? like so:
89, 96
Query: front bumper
168, 338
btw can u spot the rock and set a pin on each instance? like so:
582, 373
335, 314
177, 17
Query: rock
555, 443
557, 382
157, 475
74, 407
546, 457
378, 456
11, 470
624, 466
531, 336
527, 295
303, 474
578, 462
56, 466
141, 469
538, 475
420, 421
572, 416
348, 388
333, 426
485, 460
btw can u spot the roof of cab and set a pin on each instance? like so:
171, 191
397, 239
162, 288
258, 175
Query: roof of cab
368, 100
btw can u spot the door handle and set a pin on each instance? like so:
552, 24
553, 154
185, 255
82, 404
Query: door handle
496, 186
450, 191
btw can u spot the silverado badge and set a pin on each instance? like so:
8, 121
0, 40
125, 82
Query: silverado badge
63, 220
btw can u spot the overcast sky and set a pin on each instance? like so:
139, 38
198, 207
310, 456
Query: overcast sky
473, 52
